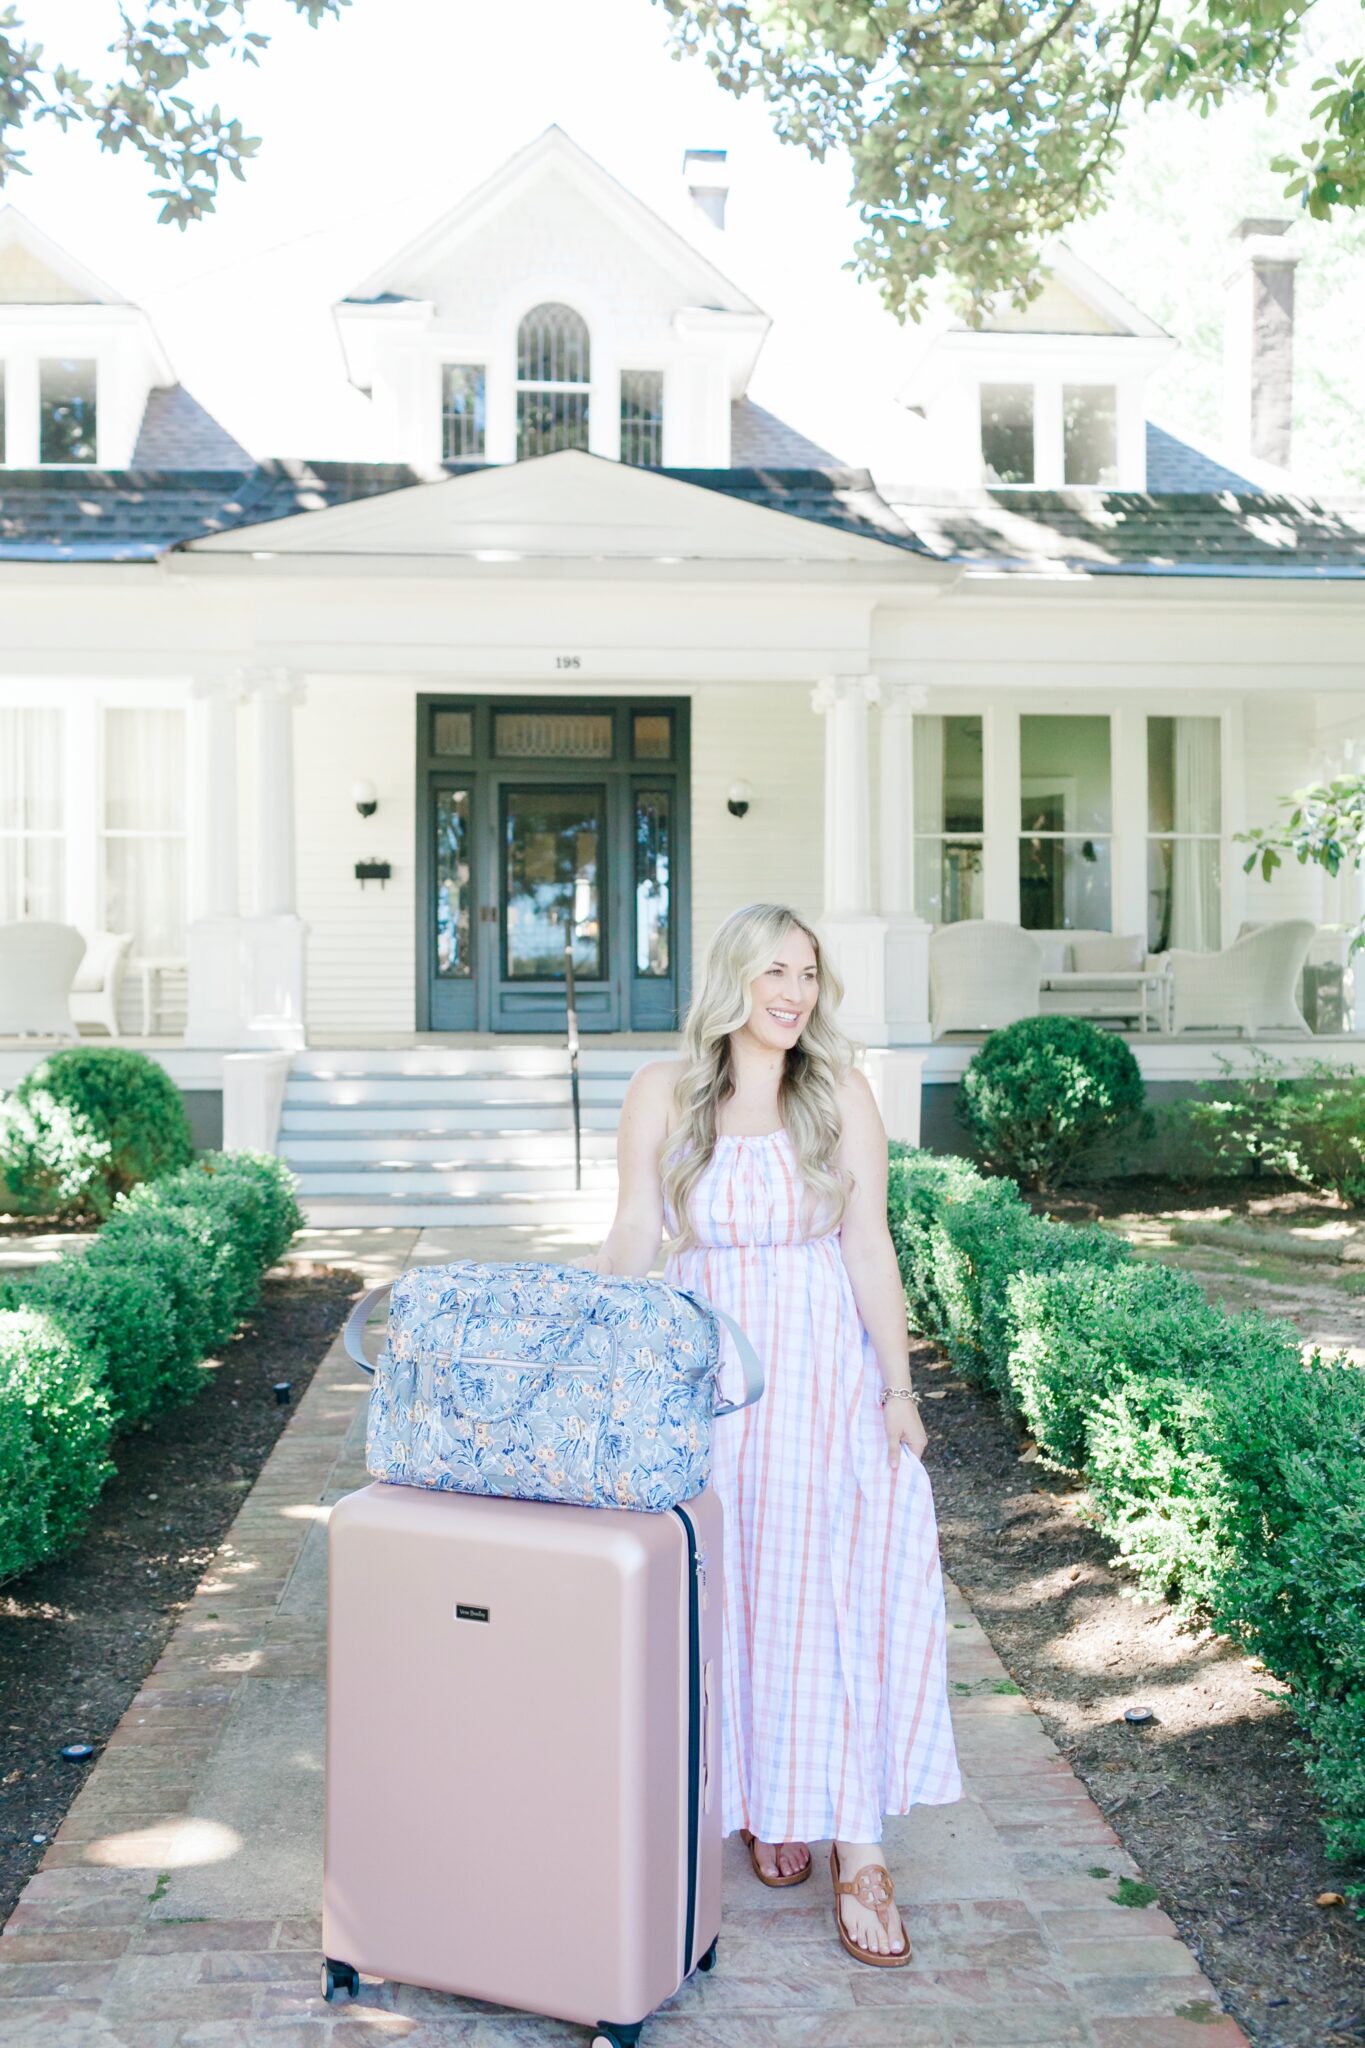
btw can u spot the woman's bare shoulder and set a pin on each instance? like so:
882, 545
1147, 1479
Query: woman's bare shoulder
651, 1086
856, 1103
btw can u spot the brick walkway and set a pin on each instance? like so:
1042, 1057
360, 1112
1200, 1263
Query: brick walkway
177, 1906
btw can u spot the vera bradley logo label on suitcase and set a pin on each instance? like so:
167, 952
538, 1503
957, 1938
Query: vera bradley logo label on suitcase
463, 1612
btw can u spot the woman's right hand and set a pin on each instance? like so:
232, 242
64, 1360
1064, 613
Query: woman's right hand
593, 1262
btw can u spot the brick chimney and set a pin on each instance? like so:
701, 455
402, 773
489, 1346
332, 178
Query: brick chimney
1258, 342
708, 182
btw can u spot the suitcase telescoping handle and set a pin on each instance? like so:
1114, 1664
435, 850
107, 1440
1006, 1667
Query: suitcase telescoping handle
354, 1340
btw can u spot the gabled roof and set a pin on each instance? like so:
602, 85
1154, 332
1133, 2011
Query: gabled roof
575, 507
137, 516
553, 154
50, 275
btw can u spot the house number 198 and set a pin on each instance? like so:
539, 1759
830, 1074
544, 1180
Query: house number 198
568, 661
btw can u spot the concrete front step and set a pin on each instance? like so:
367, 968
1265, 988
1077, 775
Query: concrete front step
398, 1176
443, 1148
591, 1211
527, 1062
430, 1119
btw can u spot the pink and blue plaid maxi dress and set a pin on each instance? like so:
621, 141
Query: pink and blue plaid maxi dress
835, 1706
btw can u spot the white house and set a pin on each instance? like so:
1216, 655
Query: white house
347, 745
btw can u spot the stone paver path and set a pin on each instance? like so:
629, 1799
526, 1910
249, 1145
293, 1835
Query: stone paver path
178, 1905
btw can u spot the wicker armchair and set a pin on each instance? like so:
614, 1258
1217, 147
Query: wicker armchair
1249, 986
38, 963
982, 974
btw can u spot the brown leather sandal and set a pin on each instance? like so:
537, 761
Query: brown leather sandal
774, 1883
872, 1888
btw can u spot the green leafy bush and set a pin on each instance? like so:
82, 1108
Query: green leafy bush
54, 1429
1228, 1471
86, 1125
112, 1335
1323, 1140
1043, 1093
961, 1239
121, 1316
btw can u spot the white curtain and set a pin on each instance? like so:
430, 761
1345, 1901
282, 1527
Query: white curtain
32, 849
1197, 809
144, 829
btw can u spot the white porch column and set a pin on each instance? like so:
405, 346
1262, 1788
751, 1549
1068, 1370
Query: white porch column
276, 692
213, 1015
868, 948
907, 934
275, 933
844, 702
246, 972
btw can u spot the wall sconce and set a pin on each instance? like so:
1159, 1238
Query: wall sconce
366, 798
739, 799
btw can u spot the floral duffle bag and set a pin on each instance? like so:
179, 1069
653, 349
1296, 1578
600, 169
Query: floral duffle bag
540, 1382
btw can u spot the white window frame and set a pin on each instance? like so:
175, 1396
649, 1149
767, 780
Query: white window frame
106, 834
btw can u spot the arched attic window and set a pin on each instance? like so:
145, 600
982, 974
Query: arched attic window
554, 374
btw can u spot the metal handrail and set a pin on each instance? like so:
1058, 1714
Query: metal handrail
571, 1019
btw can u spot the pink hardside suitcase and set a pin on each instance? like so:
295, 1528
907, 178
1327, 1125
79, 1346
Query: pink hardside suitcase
523, 1800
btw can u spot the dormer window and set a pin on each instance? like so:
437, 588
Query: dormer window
1090, 434
554, 375
642, 417
1007, 434
66, 409
462, 412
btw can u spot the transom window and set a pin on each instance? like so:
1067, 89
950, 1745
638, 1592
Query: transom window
554, 372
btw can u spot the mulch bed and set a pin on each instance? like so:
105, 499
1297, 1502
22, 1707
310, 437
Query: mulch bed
1210, 1797
79, 1635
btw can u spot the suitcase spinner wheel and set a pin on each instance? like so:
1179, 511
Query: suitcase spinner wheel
339, 1977
616, 2037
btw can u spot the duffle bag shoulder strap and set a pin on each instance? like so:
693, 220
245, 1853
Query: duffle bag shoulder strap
748, 1357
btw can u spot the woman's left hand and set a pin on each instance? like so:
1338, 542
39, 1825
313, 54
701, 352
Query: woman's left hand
903, 1426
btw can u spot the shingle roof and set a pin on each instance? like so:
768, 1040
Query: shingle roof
1173, 465
177, 433
760, 440
137, 515
1204, 533
132, 515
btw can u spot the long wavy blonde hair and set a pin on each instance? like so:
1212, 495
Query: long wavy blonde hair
741, 948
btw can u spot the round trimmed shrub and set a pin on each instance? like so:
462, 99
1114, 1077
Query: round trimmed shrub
85, 1126
1043, 1093
54, 1429
121, 1317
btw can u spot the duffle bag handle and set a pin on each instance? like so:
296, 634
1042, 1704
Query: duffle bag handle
353, 1337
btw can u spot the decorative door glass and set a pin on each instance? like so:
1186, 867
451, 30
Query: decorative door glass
552, 840
653, 889
453, 934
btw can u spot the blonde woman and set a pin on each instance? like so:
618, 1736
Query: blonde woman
762, 1153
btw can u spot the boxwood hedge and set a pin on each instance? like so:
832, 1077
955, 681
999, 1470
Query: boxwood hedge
1228, 1470
108, 1337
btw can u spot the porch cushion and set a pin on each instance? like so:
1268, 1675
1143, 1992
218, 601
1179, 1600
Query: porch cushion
1109, 953
1056, 952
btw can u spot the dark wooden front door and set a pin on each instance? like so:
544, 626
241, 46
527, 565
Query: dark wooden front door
537, 817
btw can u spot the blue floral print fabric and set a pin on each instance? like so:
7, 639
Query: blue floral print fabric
539, 1382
